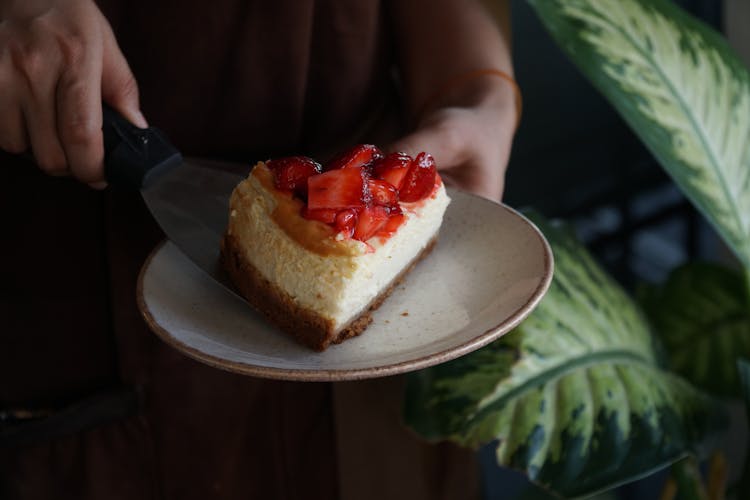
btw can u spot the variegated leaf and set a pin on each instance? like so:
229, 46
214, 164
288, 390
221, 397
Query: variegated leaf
743, 367
701, 313
574, 396
681, 89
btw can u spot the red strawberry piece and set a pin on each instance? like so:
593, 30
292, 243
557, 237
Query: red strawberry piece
383, 193
420, 179
327, 215
394, 210
358, 156
291, 173
392, 224
370, 220
393, 168
337, 189
346, 221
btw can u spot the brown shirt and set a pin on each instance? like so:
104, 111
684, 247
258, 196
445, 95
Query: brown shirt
257, 78
226, 79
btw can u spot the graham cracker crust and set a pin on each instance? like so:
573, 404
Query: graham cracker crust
306, 326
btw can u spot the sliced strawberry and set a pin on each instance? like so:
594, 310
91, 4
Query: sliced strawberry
337, 189
346, 221
420, 179
392, 224
291, 173
327, 215
358, 156
383, 193
393, 168
370, 220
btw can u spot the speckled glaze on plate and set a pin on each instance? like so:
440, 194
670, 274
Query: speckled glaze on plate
488, 271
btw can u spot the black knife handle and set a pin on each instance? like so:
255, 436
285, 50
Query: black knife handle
134, 157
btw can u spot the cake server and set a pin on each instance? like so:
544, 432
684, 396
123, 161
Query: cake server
188, 198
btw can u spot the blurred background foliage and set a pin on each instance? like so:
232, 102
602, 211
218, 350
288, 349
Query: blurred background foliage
652, 173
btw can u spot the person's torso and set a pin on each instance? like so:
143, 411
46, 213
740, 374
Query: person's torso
237, 78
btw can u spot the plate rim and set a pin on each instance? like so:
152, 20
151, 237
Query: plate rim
340, 375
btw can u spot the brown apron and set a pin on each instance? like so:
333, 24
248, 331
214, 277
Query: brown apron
92, 405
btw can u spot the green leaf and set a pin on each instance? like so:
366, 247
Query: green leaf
532, 492
702, 317
679, 86
574, 396
743, 366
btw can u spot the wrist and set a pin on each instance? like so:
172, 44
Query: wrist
486, 88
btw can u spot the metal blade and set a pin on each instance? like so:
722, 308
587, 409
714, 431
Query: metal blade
191, 204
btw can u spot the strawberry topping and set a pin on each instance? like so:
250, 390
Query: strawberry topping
382, 193
420, 179
393, 168
327, 215
343, 188
346, 221
358, 156
371, 219
358, 194
392, 224
291, 173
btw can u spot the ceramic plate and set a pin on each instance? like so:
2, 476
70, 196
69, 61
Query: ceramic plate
489, 269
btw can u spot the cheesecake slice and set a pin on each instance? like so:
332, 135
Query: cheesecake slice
317, 249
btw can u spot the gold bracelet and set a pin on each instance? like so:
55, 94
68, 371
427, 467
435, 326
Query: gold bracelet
463, 78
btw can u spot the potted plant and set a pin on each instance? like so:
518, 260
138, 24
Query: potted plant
596, 389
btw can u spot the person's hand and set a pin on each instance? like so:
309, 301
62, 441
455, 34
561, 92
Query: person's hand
58, 61
458, 88
471, 145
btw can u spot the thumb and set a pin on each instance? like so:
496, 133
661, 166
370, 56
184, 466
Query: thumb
458, 166
433, 139
119, 88
429, 140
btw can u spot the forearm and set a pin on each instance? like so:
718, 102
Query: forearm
456, 70
440, 40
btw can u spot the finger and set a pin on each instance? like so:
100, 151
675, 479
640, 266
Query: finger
12, 131
39, 113
474, 179
79, 118
119, 88
457, 158
440, 141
